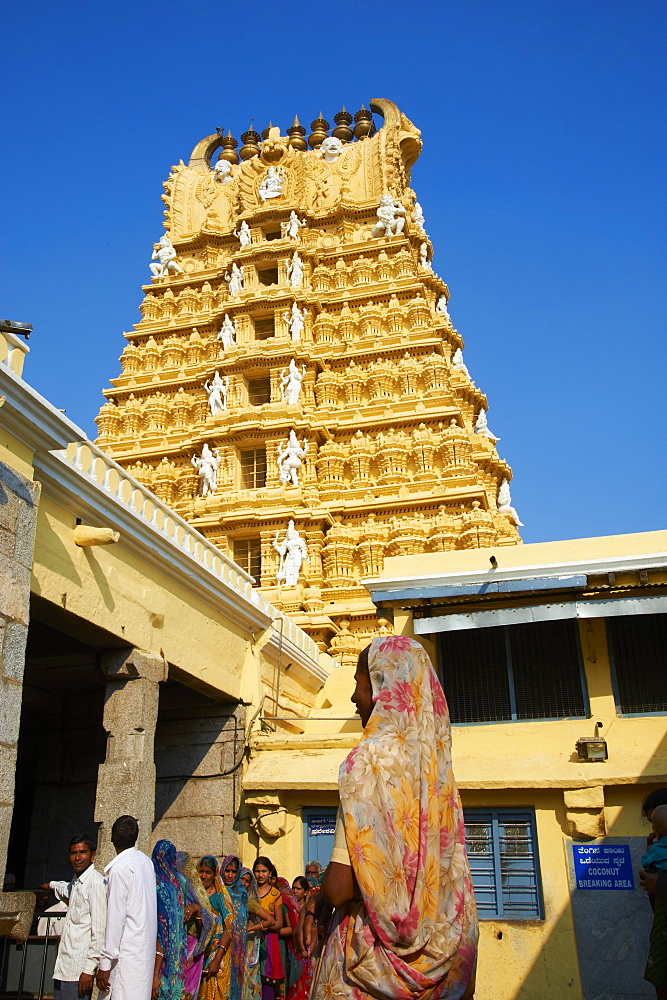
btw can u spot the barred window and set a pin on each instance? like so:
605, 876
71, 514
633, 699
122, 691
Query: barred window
259, 391
248, 555
504, 865
253, 469
511, 672
638, 650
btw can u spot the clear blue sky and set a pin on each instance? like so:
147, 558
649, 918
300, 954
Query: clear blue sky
542, 180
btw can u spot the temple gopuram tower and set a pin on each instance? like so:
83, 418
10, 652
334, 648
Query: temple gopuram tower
296, 389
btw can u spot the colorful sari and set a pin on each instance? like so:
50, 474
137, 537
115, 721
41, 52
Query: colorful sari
239, 899
218, 987
270, 953
293, 965
199, 932
170, 888
252, 982
413, 935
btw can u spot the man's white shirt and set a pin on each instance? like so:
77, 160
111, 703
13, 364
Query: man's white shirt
82, 936
131, 933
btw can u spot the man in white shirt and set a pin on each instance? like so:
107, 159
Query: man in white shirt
127, 960
83, 927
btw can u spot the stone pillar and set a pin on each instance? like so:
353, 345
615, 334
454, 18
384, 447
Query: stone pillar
126, 779
18, 514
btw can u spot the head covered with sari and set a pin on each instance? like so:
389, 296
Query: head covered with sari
170, 888
414, 935
239, 901
252, 984
293, 965
195, 893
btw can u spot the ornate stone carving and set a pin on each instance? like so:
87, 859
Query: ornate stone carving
423, 257
165, 255
290, 458
391, 218
222, 171
244, 234
345, 646
234, 279
505, 503
295, 319
207, 465
272, 185
216, 390
331, 149
293, 553
458, 362
291, 382
228, 332
482, 427
294, 270
292, 228
478, 528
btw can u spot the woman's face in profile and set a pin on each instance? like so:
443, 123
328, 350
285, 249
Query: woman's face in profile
362, 697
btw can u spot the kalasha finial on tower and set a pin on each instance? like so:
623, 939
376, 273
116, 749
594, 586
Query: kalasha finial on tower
250, 140
265, 133
229, 145
320, 131
343, 121
364, 120
296, 133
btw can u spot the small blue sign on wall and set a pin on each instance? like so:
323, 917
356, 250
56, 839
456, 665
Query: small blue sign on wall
603, 866
321, 826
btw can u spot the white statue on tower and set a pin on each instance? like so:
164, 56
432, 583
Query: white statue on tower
272, 185
216, 391
227, 332
423, 257
165, 255
293, 552
458, 362
207, 466
294, 269
243, 233
235, 280
291, 380
505, 503
296, 320
331, 149
290, 458
222, 171
482, 426
291, 229
391, 218
441, 309
418, 215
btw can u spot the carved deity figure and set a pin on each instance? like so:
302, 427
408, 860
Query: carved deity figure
418, 215
291, 228
391, 218
207, 466
423, 257
505, 503
331, 149
291, 380
294, 268
458, 362
243, 233
293, 553
272, 185
441, 308
216, 391
235, 280
290, 458
482, 426
227, 332
222, 171
296, 319
165, 255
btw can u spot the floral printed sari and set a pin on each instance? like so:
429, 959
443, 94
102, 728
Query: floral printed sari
170, 887
239, 900
413, 935
252, 982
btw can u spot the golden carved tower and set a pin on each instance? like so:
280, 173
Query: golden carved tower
296, 361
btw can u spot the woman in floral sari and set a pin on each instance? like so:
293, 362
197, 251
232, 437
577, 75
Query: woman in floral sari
216, 978
258, 919
168, 980
405, 926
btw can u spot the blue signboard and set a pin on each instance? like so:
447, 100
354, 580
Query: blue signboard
322, 826
603, 866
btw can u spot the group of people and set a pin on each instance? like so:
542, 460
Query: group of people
174, 928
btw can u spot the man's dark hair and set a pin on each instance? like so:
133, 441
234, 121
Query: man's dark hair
84, 839
653, 800
124, 832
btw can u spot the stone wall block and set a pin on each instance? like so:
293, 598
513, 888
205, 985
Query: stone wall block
197, 835
13, 650
194, 761
195, 798
130, 713
15, 594
10, 710
25, 529
127, 663
7, 771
